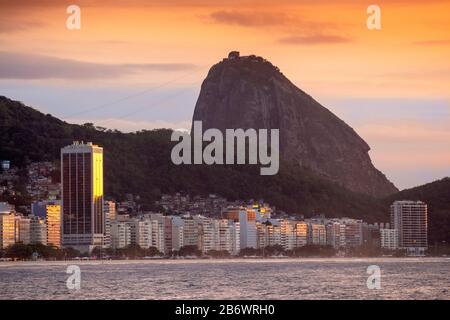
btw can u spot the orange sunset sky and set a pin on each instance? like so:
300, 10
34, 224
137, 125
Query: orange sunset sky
139, 65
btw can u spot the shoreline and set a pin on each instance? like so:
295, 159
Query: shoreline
223, 261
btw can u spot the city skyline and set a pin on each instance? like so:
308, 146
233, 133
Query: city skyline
80, 218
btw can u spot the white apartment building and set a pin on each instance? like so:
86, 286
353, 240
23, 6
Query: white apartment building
317, 234
120, 234
161, 232
190, 232
336, 234
247, 221
273, 235
235, 230
109, 209
210, 233
389, 239
158, 222
38, 230
177, 233
301, 234
141, 232
288, 237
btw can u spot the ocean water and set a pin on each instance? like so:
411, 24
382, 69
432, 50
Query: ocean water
410, 278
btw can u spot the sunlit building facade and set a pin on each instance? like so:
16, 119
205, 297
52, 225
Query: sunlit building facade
301, 234
110, 212
288, 240
83, 221
273, 235
7, 229
23, 229
53, 220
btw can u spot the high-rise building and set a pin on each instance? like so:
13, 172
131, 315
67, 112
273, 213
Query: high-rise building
38, 230
247, 224
177, 233
120, 234
301, 234
23, 229
410, 219
7, 226
288, 240
353, 232
273, 234
335, 234
110, 208
167, 221
261, 231
53, 219
210, 234
229, 236
371, 235
190, 232
389, 239
83, 221
158, 237
317, 234
110, 212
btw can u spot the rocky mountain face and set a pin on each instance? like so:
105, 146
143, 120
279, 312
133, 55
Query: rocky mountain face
250, 92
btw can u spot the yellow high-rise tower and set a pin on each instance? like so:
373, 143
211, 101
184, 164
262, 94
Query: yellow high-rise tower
53, 217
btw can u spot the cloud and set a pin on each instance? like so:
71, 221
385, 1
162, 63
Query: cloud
9, 26
249, 18
30, 66
312, 32
274, 18
313, 39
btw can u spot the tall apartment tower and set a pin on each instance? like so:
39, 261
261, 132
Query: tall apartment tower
410, 220
83, 220
53, 219
7, 225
